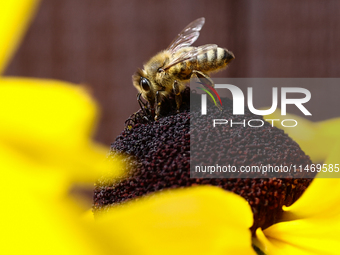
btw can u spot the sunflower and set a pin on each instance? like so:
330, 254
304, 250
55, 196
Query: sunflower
46, 149
163, 150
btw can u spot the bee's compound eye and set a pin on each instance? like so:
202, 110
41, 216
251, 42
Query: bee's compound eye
144, 83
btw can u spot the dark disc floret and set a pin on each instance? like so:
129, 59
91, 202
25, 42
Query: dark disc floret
159, 155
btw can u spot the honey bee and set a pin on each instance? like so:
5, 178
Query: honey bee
170, 69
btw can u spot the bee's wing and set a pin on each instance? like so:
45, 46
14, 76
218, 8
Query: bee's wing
194, 52
187, 36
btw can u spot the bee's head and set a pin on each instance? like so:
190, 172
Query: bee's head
143, 85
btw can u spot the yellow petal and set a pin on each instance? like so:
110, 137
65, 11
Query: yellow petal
45, 146
320, 200
331, 166
312, 224
50, 123
316, 139
306, 236
15, 16
32, 223
322, 197
36, 217
202, 220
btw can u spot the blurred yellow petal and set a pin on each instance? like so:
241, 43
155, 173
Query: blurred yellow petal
51, 123
316, 139
36, 216
201, 220
56, 107
32, 223
45, 147
332, 162
20, 175
15, 16
306, 236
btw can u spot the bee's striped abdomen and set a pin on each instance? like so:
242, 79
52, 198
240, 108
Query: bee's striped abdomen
214, 59
207, 62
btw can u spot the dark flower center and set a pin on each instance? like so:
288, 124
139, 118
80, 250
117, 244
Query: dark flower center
160, 156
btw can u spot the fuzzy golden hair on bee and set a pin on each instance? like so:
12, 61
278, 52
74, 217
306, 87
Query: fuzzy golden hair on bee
167, 72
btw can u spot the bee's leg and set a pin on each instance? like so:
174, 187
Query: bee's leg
132, 120
206, 82
158, 105
143, 107
129, 123
178, 96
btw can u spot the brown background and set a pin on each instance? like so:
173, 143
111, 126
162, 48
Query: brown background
101, 43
